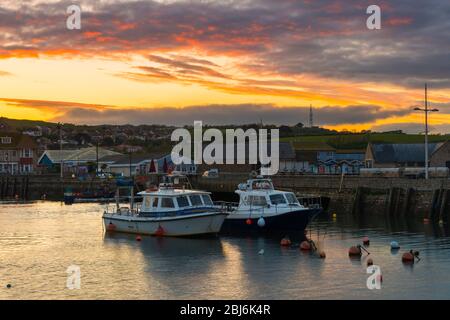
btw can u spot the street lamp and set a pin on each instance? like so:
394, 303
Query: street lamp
426, 111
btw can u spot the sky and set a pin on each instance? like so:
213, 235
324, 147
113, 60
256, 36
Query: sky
227, 62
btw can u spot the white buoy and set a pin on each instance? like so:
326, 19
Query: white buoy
261, 222
261, 251
395, 245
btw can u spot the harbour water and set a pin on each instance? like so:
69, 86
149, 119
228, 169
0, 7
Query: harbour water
39, 241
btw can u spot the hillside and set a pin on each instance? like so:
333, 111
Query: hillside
359, 141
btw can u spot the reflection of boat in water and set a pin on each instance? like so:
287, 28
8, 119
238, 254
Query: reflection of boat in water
262, 208
166, 211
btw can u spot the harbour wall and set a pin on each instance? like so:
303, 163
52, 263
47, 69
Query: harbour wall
356, 195
50, 187
349, 194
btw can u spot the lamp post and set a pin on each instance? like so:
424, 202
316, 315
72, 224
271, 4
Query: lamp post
61, 172
426, 111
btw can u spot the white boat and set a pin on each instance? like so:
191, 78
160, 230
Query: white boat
262, 208
167, 211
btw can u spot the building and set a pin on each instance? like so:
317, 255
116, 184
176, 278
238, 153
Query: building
380, 155
341, 161
286, 158
441, 156
140, 164
18, 153
74, 161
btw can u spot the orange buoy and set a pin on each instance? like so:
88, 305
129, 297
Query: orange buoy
322, 255
369, 262
305, 246
160, 231
248, 221
366, 241
354, 251
111, 226
408, 257
285, 242
138, 238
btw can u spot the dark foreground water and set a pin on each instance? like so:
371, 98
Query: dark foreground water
39, 241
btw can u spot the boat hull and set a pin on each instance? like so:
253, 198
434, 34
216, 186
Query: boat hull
200, 224
292, 221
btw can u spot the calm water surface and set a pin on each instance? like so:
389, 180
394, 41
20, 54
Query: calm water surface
39, 241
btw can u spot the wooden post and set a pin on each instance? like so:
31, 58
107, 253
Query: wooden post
407, 200
357, 202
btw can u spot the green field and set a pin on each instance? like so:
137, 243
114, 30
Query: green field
359, 141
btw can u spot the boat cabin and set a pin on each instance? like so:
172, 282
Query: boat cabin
261, 193
170, 201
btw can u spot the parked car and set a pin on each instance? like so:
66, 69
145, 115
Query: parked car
212, 173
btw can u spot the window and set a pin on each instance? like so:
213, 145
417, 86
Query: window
196, 200
6, 140
28, 153
14, 154
155, 202
207, 200
167, 203
277, 199
291, 198
257, 201
183, 201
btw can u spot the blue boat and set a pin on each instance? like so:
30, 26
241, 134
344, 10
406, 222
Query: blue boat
261, 208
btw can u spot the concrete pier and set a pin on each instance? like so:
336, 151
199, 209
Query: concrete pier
355, 194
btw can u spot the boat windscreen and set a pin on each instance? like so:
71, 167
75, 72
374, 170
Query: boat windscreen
207, 200
291, 198
277, 199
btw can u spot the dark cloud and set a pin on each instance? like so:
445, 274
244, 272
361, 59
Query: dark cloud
413, 128
324, 37
231, 114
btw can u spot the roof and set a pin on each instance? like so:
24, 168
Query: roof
78, 155
172, 192
406, 152
17, 140
286, 151
312, 146
137, 158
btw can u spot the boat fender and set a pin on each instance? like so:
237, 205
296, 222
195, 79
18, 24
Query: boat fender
248, 221
261, 222
305, 246
408, 257
395, 245
138, 238
111, 226
285, 242
160, 231
366, 241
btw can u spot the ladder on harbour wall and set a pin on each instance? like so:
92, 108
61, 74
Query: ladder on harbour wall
14, 187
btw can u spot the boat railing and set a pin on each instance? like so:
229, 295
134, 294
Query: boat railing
313, 202
226, 206
122, 211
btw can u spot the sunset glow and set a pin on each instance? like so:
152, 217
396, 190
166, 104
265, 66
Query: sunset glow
133, 62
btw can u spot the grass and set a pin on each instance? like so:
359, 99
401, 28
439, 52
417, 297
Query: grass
360, 141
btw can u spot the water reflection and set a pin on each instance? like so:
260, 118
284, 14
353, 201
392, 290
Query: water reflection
39, 241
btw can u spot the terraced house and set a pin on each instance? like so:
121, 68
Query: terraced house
18, 153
